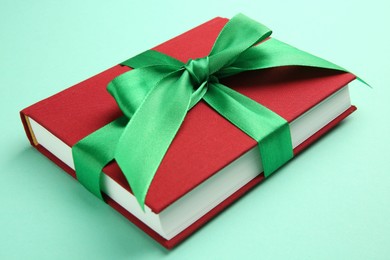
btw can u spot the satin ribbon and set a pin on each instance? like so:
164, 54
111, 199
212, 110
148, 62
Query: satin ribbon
157, 94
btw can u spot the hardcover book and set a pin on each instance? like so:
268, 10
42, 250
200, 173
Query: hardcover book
210, 163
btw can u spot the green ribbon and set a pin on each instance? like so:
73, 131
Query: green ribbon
157, 94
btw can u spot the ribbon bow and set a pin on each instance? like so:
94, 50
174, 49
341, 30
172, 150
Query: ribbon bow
157, 94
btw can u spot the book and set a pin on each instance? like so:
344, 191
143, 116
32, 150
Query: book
210, 163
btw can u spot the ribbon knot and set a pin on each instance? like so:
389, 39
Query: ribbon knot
198, 70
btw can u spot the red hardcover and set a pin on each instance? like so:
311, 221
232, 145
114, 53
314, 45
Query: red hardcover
206, 142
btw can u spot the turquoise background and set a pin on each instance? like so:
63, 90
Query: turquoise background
331, 202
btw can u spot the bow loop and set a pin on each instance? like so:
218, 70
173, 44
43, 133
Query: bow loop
131, 88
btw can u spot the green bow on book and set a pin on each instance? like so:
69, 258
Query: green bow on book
157, 94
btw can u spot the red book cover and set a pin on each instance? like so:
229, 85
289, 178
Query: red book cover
206, 142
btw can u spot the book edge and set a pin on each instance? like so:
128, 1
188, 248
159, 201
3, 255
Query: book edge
209, 215
297, 150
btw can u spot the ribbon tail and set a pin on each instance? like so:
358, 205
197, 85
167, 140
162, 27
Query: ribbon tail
151, 130
274, 53
270, 130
